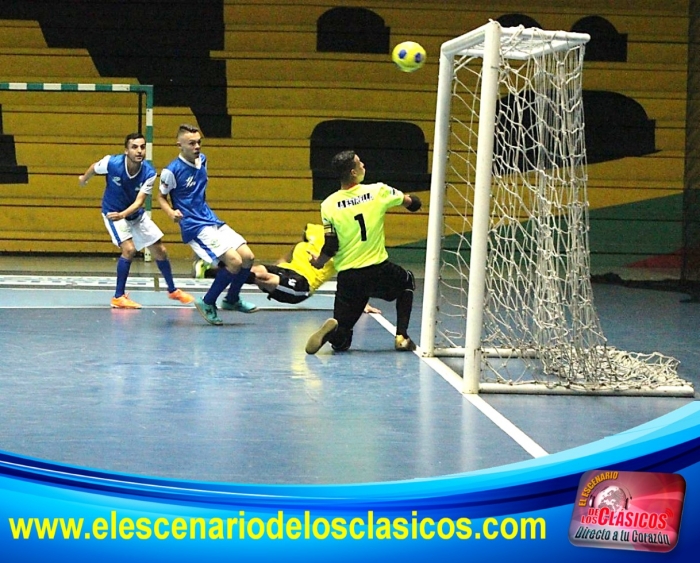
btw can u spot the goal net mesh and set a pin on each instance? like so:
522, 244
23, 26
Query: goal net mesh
539, 320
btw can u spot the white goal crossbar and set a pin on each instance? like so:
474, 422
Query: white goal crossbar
474, 42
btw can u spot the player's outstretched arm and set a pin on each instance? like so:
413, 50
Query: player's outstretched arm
412, 202
89, 173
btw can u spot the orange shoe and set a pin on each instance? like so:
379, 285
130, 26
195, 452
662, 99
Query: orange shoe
124, 302
181, 296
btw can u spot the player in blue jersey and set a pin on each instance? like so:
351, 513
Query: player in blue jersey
129, 180
184, 180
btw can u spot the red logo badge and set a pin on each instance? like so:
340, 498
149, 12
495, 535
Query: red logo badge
628, 510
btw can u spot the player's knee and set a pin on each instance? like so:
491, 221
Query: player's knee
232, 260
402, 289
247, 256
158, 251
129, 253
410, 282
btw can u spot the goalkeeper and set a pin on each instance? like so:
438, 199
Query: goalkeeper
353, 221
292, 279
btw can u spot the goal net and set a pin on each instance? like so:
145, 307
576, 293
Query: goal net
507, 267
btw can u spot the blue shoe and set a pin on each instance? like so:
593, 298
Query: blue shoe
241, 306
207, 311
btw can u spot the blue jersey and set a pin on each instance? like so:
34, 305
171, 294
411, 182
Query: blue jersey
187, 185
122, 188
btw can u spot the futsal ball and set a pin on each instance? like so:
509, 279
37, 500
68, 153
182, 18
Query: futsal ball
409, 56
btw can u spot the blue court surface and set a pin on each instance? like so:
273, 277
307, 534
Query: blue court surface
159, 392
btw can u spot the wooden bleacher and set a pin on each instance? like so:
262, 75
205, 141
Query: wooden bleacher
279, 90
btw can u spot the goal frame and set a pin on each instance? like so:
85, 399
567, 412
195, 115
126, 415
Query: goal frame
139, 89
484, 42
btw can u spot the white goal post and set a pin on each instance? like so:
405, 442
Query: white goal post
507, 274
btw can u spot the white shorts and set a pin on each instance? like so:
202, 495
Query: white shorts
143, 230
213, 242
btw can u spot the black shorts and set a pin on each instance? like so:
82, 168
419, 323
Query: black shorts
385, 281
293, 287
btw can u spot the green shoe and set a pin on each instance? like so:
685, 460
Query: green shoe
207, 311
199, 269
241, 306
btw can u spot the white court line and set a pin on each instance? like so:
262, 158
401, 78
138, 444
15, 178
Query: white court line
144, 308
100, 282
449, 375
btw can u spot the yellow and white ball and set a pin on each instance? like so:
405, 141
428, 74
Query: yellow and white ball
409, 56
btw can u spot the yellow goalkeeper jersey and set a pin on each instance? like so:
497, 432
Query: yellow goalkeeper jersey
356, 215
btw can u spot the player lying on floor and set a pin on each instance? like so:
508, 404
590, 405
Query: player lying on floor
292, 279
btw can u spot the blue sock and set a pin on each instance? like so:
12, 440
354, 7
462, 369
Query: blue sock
222, 279
123, 267
167, 271
234, 290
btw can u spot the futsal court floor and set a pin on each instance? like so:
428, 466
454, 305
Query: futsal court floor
159, 392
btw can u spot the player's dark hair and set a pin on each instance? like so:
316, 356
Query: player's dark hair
186, 128
132, 137
342, 164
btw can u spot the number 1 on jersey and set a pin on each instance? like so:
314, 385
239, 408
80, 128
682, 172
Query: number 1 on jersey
363, 229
